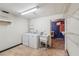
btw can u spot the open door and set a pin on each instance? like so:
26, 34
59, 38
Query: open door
57, 34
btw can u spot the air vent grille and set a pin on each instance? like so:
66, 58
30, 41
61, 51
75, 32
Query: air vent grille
5, 11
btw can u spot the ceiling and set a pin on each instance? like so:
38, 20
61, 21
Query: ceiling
45, 9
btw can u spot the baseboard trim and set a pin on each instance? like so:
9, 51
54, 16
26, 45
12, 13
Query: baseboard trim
11, 47
67, 52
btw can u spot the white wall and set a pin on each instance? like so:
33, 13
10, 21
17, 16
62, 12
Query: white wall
72, 41
72, 32
41, 24
10, 34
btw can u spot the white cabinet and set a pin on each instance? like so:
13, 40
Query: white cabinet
31, 40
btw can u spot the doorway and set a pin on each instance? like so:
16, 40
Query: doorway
57, 33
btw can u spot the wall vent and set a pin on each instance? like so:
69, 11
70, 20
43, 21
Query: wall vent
5, 11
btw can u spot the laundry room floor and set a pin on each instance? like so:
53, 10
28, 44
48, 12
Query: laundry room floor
26, 51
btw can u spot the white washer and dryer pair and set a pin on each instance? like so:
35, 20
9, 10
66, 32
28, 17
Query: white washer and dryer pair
31, 40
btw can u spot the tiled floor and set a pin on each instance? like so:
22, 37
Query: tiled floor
26, 51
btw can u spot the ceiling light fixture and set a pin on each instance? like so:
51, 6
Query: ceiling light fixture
29, 11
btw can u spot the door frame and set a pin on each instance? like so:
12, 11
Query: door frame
65, 28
